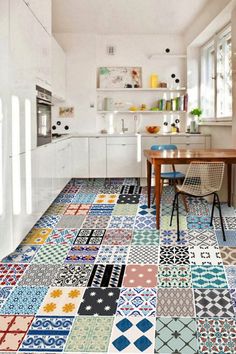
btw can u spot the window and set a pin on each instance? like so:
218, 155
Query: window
216, 77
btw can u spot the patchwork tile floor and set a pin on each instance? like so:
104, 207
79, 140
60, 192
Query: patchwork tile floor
94, 275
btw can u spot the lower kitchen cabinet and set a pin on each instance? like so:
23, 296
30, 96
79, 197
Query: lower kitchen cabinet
80, 157
123, 158
97, 157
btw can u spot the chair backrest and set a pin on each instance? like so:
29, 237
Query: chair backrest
203, 178
164, 147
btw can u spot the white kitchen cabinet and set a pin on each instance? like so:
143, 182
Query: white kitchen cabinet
42, 10
147, 142
62, 167
80, 157
97, 157
58, 71
123, 158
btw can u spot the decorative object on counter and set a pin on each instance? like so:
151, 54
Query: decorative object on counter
58, 122
133, 108
177, 121
173, 128
108, 104
174, 104
153, 129
154, 83
143, 107
66, 127
166, 127
163, 85
120, 77
103, 131
195, 119
66, 112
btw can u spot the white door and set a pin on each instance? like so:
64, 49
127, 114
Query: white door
97, 157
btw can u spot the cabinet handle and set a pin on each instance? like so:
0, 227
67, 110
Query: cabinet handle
123, 144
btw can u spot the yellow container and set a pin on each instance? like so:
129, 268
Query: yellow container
154, 83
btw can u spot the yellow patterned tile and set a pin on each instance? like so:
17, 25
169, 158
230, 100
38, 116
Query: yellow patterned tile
37, 236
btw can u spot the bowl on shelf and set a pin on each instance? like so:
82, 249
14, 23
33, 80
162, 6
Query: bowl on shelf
153, 129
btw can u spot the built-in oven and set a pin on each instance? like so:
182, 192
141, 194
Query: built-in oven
44, 113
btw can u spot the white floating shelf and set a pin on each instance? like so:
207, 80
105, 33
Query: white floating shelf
165, 56
159, 89
141, 112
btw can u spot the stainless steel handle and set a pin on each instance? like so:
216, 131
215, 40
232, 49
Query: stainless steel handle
46, 103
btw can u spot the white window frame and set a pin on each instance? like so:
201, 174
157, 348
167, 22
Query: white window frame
212, 41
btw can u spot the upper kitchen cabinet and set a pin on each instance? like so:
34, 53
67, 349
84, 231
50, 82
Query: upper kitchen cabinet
42, 10
58, 71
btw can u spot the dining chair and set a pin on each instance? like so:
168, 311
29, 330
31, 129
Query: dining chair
173, 176
202, 179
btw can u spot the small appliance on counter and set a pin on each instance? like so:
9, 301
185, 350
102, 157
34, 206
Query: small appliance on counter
44, 113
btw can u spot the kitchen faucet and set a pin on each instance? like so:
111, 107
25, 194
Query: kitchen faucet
123, 126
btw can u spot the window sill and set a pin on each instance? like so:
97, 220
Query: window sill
226, 123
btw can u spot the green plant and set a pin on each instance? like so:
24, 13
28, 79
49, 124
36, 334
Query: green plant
196, 112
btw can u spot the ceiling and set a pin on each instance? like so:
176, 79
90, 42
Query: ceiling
125, 16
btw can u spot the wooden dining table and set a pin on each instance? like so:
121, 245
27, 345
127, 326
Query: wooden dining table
182, 156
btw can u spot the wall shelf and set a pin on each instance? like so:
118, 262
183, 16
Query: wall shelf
141, 112
159, 89
165, 56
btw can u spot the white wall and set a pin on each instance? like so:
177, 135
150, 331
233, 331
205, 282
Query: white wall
85, 53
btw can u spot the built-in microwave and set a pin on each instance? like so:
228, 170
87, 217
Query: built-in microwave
44, 114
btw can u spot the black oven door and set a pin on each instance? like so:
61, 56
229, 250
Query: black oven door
44, 132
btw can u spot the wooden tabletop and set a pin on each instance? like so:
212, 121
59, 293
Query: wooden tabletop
182, 156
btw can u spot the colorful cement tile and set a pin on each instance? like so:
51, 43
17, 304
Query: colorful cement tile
213, 303
10, 274
133, 335
208, 277
233, 298
99, 302
202, 255
117, 237
62, 236
176, 335
175, 303
129, 189
79, 254
106, 199
90, 334
145, 222
128, 199
73, 275
77, 209
89, 237
138, 275
64, 198
39, 275
169, 238
231, 276
229, 223
112, 255
24, 300
230, 238
61, 301
37, 236
5, 292
174, 255
22, 254
106, 275
178, 276
47, 334
216, 335
165, 223
145, 237
228, 255
201, 237
125, 210
84, 198
12, 331
96, 222
125, 222
101, 209
198, 209
198, 222
137, 302
70, 222
143, 255
144, 210
47, 221
51, 254
56, 209
111, 189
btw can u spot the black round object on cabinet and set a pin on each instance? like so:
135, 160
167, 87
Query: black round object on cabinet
54, 127
173, 76
58, 122
66, 127
177, 81
167, 50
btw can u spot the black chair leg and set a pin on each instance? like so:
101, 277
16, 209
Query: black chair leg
177, 207
173, 209
212, 210
221, 218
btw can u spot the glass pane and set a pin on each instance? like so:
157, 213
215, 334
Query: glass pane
208, 81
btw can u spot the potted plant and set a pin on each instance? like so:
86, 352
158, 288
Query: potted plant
196, 114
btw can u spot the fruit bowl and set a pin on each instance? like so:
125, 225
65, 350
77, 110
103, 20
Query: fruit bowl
153, 129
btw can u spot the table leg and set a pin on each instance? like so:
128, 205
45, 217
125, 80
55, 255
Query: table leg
157, 168
229, 170
149, 181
